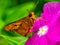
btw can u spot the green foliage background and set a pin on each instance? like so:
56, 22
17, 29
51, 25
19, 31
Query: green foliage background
12, 10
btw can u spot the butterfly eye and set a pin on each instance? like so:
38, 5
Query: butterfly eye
30, 15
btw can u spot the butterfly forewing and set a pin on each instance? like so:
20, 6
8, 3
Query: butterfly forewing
22, 26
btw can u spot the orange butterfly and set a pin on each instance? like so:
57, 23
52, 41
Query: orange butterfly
22, 26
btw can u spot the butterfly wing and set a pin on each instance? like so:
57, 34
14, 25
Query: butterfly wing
22, 26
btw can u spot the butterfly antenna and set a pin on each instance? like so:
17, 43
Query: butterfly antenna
36, 3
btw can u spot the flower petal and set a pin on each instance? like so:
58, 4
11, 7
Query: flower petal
50, 11
42, 41
36, 40
32, 40
54, 31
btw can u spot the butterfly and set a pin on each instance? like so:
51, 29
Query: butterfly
23, 25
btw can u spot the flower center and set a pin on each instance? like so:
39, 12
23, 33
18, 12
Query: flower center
43, 30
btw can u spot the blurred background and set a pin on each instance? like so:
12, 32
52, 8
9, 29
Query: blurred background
12, 10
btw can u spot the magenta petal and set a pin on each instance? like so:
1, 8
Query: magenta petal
36, 40
50, 11
51, 7
33, 40
54, 32
43, 41
52, 15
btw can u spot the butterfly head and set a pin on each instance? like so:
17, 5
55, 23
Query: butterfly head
32, 15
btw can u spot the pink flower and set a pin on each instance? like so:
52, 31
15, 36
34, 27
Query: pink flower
48, 26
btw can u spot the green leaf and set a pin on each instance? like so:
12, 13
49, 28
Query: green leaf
1, 24
13, 40
18, 12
